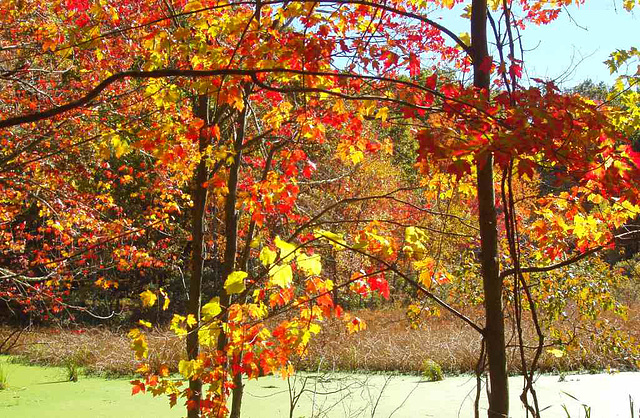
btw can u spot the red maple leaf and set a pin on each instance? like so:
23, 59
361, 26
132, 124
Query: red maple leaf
414, 65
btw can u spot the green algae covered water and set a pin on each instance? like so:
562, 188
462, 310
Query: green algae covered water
41, 392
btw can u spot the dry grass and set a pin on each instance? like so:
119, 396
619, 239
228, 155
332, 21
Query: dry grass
390, 344
387, 344
96, 350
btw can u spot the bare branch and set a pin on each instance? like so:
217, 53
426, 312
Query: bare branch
551, 267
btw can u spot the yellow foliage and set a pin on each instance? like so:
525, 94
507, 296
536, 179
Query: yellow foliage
267, 256
282, 275
311, 264
148, 298
211, 309
139, 343
235, 282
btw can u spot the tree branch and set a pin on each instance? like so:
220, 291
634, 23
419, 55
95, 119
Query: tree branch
253, 73
551, 267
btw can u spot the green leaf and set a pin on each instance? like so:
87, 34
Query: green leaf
282, 275
235, 282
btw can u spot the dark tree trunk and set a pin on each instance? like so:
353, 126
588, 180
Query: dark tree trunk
199, 197
494, 329
231, 249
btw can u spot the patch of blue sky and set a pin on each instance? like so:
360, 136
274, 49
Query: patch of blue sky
572, 48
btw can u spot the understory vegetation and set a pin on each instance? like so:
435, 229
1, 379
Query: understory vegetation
388, 344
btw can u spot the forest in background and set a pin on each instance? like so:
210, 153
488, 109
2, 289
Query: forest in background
248, 175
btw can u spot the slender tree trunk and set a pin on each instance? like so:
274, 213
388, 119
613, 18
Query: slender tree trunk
494, 329
199, 197
230, 251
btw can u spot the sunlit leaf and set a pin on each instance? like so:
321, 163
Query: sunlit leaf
267, 256
286, 250
235, 282
211, 309
148, 298
311, 264
555, 352
282, 275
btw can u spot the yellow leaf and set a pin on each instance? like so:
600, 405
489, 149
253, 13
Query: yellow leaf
286, 249
314, 328
145, 323
466, 38
383, 114
192, 5
120, 147
208, 337
176, 325
235, 282
356, 325
257, 310
148, 298
555, 352
267, 256
211, 309
356, 155
334, 239
629, 5
311, 264
191, 320
143, 369
189, 368
139, 343
165, 305
282, 276
448, 3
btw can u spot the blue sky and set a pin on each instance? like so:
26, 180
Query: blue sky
603, 29
579, 43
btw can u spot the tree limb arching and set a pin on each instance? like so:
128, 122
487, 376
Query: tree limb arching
542, 269
253, 73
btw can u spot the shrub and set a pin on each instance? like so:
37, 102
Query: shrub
432, 371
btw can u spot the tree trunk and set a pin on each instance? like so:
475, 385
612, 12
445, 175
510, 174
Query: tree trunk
230, 251
199, 197
494, 329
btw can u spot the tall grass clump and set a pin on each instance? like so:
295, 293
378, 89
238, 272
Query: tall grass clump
3, 378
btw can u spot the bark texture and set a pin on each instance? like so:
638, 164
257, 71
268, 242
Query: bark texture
492, 282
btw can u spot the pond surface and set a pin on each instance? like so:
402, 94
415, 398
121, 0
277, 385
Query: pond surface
43, 393
607, 395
